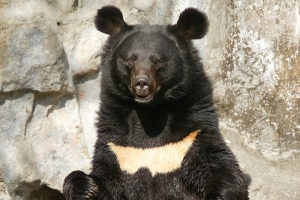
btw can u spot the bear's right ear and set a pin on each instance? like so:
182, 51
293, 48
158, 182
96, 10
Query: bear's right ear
110, 20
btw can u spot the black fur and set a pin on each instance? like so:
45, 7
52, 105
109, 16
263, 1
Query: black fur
109, 20
78, 184
182, 103
192, 24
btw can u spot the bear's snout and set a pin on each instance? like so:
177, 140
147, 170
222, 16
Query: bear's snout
141, 83
142, 87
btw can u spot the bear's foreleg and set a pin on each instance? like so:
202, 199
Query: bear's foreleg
78, 185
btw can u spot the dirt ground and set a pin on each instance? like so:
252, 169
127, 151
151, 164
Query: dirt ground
269, 182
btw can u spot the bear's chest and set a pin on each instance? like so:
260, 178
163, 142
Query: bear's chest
158, 160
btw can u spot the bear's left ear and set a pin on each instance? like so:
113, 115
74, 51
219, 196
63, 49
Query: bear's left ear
110, 20
192, 24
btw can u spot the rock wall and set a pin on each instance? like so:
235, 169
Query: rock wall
50, 74
253, 58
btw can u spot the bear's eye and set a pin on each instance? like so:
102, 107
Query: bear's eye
156, 62
128, 63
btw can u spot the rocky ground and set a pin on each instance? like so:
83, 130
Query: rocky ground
270, 181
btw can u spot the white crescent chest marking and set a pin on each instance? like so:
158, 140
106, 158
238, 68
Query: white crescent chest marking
161, 159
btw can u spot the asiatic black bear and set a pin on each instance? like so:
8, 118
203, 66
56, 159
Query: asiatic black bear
158, 135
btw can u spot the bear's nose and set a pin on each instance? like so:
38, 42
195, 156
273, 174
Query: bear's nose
141, 82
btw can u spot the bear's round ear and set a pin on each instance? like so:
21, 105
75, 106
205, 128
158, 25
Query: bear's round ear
110, 20
192, 24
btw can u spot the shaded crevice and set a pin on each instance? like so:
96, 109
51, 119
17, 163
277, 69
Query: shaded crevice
54, 100
37, 191
11, 95
67, 69
86, 77
75, 5
14, 94
30, 117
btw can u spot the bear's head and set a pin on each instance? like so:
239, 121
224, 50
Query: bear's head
150, 63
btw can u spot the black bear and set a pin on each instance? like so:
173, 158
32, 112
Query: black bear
158, 135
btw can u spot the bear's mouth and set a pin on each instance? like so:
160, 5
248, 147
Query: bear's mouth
143, 98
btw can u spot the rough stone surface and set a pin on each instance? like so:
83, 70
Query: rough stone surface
50, 75
269, 180
53, 143
31, 55
89, 102
255, 74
